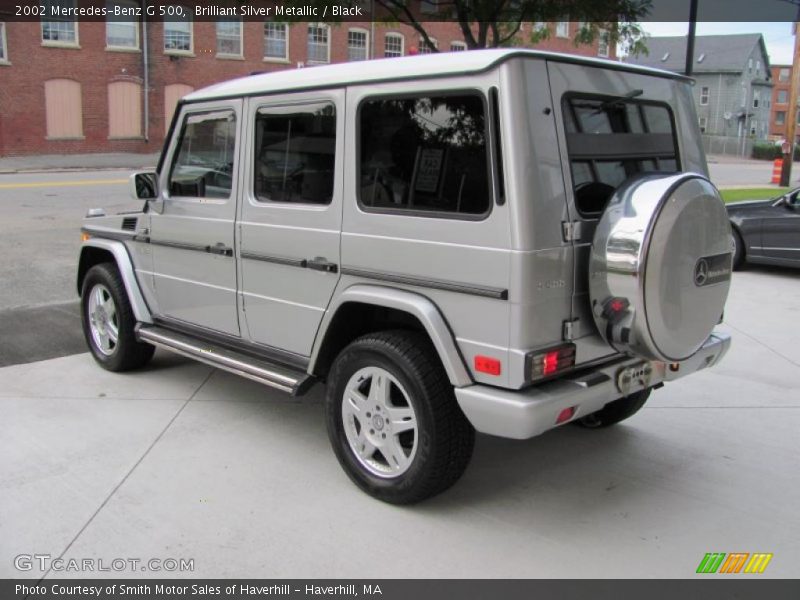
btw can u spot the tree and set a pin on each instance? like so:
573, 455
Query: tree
497, 23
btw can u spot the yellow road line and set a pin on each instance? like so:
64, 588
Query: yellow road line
11, 186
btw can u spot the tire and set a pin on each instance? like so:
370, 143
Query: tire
614, 412
398, 375
737, 244
106, 314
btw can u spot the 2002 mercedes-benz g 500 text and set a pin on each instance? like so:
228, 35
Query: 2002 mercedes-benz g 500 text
499, 240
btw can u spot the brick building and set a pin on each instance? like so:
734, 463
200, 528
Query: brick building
782, 78
79, 86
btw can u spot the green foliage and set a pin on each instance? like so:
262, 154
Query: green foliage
739, 194
771, 151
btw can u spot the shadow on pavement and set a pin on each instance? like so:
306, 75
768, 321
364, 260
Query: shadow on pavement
31, 334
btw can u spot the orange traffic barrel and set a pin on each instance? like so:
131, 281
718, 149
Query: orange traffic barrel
777, 167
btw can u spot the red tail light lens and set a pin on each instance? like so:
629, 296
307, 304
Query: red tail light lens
565, 415
488, 365
550, 362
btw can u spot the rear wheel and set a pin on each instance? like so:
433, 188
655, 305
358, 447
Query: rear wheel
614, 412
108, 321
393, 420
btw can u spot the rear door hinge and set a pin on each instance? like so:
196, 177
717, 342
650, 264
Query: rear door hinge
571, 230
568, 330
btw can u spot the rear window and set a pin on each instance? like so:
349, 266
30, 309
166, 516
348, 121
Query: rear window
610, 139
424, 155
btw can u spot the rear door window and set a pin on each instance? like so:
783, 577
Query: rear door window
610, 139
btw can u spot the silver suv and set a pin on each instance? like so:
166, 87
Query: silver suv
499, 241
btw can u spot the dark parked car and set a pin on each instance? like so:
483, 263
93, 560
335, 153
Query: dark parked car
767, 231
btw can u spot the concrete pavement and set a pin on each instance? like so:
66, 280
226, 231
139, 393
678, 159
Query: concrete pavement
182, 461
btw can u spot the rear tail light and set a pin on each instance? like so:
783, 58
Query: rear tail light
551, 362
565, 415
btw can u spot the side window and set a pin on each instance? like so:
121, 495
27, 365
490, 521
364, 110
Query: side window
203, 164
295, 153
424, 154
612, 139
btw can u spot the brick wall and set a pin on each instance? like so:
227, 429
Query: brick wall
22, 97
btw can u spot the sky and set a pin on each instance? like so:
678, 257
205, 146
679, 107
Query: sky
778, 36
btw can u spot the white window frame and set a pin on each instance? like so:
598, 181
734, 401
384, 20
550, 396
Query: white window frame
705, 92
60, 43
783, 120
427, 50
277, 59
562, 29
136, 46
781, 72
749, 65
395, 35
756, 98
327, 29
702, 122
176, 52
4, 45
462, 46
229, 55
602, 35
778, 97
365, 33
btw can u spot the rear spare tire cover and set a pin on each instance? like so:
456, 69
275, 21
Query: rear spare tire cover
660, 266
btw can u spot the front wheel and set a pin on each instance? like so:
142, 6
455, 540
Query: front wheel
108, 321
393, 420
737, 249
614, 412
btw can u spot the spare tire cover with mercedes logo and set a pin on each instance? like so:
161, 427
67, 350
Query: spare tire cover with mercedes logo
660, 266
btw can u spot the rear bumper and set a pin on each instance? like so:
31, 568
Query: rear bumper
527, 413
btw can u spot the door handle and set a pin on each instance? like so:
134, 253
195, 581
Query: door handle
220, 248
319, 263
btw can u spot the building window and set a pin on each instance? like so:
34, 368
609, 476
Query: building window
357, 43
229, 38
749, 65
393, 45
173, 93
276, 41
783, 74
122, 29
3, 45
780, 118
562, 29
295, 152
319, 48
756, 98
438, 163
429, 6
602, 43
758, 67
203, 164
782, 97
703, 122
458, 46
59, 31
124, 109
63, 109
178, 34
753, 127
703, 95
424, 48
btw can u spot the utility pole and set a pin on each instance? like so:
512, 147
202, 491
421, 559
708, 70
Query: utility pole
791, 116
690, 41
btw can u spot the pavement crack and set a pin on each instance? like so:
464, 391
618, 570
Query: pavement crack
128, 474
767, 346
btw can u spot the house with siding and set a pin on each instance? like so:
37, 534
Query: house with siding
733, 89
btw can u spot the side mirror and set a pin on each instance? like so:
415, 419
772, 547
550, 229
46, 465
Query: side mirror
144, 185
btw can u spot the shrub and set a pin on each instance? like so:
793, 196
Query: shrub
771, 151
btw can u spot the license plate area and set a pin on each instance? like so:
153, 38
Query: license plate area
634, 378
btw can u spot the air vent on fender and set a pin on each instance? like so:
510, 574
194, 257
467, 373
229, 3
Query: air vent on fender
129, 223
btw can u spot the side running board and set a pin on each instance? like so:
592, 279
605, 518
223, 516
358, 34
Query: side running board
284, 378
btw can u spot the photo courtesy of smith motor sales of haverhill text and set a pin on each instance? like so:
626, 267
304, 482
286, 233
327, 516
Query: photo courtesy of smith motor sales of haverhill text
399, 299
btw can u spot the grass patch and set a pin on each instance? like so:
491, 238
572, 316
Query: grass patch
757, 193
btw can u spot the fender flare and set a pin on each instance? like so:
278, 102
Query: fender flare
123, 260
415, 304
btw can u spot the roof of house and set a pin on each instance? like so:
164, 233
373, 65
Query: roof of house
393, 69
712, 53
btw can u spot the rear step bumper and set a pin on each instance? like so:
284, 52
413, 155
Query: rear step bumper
284, 378
527, 413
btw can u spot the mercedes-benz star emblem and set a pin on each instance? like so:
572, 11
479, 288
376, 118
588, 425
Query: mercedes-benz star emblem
701, 272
